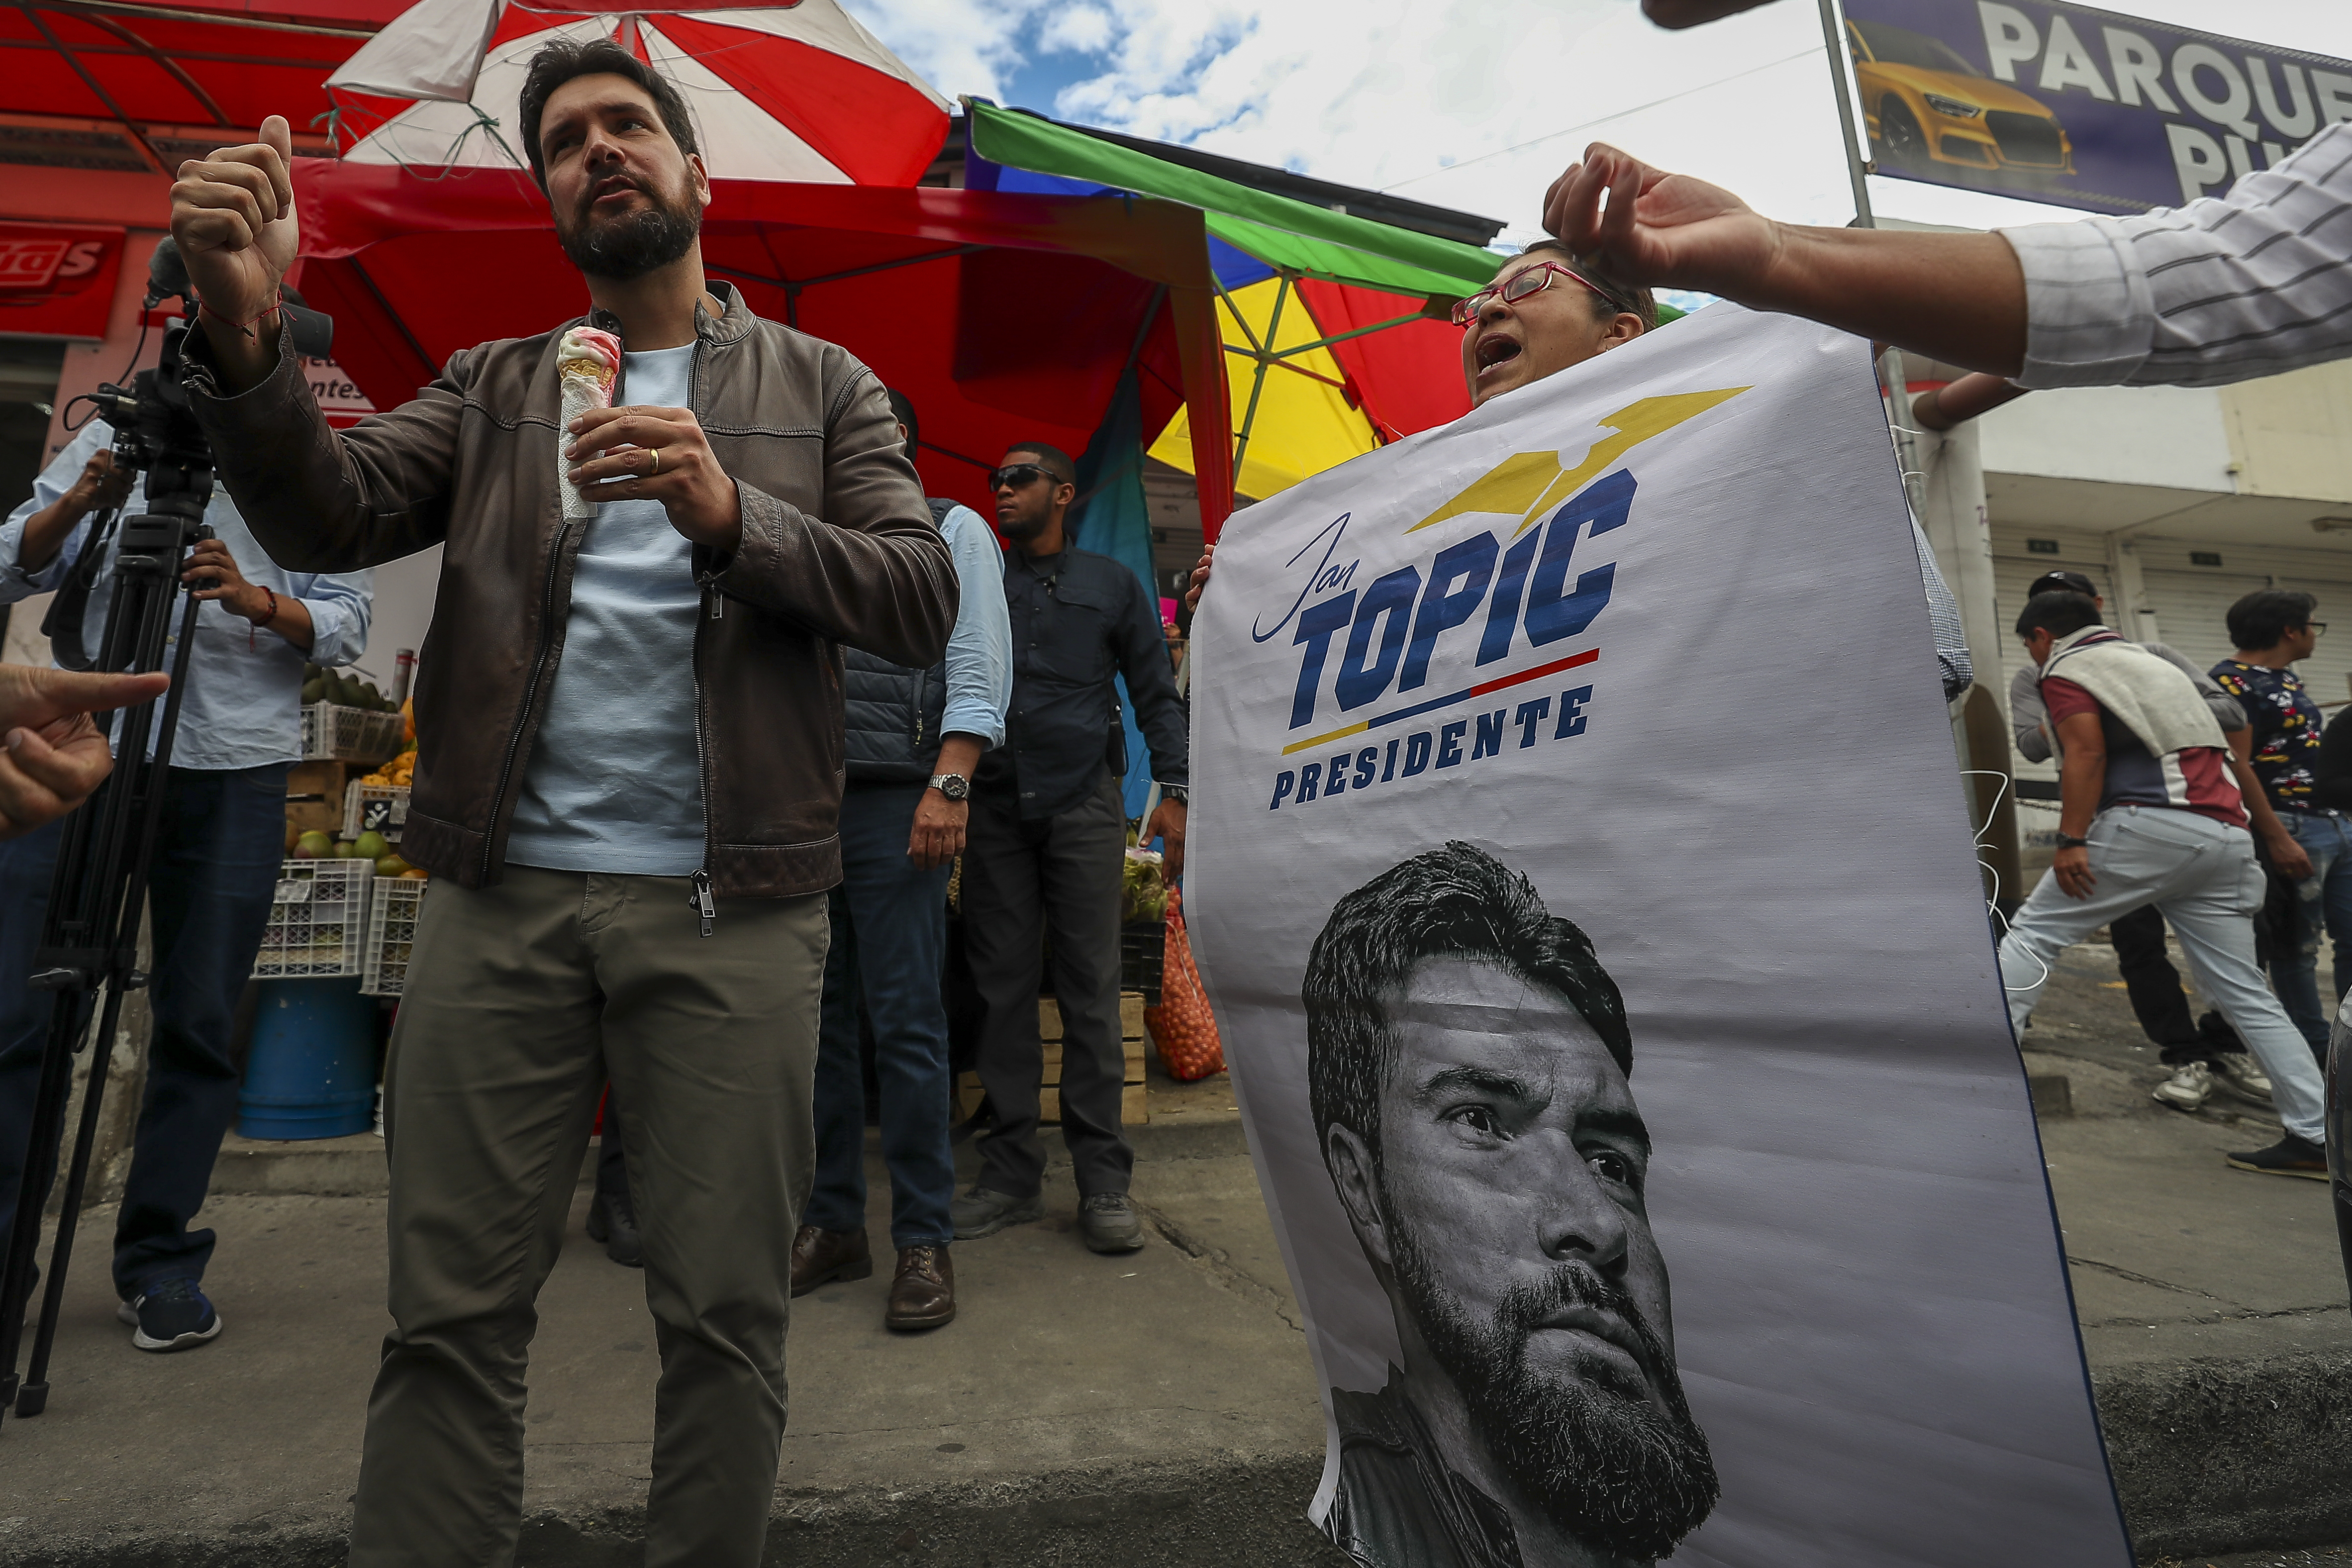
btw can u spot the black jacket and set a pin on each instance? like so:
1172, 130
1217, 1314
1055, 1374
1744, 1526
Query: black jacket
891, 712
1078, 621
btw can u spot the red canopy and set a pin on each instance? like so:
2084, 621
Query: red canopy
1004, 318
137, 88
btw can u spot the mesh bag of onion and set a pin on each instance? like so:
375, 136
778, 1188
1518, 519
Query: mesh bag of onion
1181, 1026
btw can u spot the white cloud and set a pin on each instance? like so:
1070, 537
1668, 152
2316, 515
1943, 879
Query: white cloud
1475, 108
1079, 29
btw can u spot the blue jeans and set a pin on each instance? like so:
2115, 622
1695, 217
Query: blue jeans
889, 935
217, 849
2324, 909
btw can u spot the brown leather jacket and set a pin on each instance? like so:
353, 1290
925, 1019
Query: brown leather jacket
838, 548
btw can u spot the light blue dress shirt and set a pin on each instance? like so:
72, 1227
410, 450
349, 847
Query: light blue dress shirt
242, 707
614, 780
980, 649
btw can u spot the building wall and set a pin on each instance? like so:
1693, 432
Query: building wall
2292, 434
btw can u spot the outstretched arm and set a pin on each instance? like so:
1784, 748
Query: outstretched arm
1959, 298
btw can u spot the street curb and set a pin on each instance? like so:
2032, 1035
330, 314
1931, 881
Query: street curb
355, 1167
2210, 1456
1234, 1513
2219, 1455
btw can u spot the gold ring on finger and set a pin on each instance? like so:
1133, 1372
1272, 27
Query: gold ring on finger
656, 454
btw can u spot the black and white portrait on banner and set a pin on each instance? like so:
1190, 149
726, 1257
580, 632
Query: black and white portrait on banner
1581, 878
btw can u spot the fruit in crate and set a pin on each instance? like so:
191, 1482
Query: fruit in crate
392, 865
396, 773
370, 845
323, 684
412, 875
313, 845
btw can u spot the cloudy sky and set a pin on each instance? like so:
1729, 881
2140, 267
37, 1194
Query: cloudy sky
1474, 107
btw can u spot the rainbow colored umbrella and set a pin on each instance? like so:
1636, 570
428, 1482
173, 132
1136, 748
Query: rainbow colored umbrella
1334, 326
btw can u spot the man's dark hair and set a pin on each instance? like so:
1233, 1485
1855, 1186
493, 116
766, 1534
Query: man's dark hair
2059, 611
902, 409
565, 59
1454, 902
2264, 618
2053, 582
1614, 296
1050, 457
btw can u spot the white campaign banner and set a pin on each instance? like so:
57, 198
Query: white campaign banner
1583, 885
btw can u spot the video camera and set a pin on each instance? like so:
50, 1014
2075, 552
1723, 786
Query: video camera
89, 930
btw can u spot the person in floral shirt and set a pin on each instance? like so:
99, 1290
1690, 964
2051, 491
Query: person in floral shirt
2273, 629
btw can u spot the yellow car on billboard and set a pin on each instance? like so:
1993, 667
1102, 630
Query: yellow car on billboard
1928, 111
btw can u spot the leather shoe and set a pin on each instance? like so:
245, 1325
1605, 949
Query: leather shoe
613, 1221
922, 1291
822, 1257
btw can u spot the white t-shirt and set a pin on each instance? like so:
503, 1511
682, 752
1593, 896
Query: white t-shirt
614, 781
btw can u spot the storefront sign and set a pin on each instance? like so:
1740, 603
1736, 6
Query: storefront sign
1586, 895
339, 398
2085, 108
56, 280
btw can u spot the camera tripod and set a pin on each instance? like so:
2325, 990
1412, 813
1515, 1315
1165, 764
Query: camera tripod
90, 937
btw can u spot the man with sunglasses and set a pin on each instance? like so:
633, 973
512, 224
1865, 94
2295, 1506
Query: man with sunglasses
1548, 310
1047, 833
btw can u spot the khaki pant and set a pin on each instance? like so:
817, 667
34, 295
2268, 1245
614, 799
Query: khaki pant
521, 999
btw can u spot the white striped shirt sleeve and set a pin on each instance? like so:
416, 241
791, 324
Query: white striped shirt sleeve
2222, 290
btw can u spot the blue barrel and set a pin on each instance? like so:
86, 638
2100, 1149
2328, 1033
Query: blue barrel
311, 1071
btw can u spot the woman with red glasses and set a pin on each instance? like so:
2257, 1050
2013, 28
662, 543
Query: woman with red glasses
1544, 312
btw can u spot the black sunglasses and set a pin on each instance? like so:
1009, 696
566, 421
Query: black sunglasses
1015, 476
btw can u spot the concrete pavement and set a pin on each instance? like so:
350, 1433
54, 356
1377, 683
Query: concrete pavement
1149, 1410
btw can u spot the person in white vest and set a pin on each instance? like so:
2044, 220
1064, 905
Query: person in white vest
2149, 813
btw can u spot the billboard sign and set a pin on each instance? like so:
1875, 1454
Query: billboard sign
2080, 107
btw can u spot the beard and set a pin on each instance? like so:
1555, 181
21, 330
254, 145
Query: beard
1021, 530
1590, 1450
631, 245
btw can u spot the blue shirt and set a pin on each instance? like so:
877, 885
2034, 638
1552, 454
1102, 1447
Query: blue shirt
614, 780
243, 704
980, 649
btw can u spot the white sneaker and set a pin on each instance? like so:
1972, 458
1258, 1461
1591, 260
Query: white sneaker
2189, 1087
2237, 1072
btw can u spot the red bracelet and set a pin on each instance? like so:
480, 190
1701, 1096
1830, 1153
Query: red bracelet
274, 301
265, 620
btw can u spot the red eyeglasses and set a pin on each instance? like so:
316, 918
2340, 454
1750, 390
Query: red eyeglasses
1519, 285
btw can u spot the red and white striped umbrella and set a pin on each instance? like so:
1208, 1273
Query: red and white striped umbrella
780, 89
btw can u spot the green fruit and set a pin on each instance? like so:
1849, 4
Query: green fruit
314, 691
372, 845
313, 845
343, 851
392, 865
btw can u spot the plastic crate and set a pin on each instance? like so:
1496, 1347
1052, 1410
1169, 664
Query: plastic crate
377, 808
332, 732
318, 921
1142, 951
393, 903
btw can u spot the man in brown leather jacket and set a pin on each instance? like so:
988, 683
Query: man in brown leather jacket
631, 735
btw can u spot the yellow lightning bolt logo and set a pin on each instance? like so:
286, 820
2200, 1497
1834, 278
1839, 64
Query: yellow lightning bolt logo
1529, 482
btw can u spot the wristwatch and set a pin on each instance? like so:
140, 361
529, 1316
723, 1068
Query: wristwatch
2068, 841
1180, 794
955, 786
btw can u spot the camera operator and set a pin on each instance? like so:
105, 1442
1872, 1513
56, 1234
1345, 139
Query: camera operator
221, 835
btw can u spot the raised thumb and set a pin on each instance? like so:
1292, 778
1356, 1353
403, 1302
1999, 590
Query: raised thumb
279, 135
